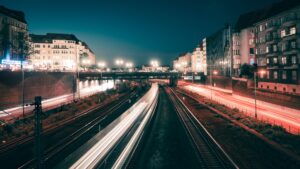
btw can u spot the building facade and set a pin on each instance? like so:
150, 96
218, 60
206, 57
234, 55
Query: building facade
183, 63
277, 50
197, 59
219, 52
14, 44
59, 52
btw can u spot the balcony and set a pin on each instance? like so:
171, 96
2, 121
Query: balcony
290, 51
290, 37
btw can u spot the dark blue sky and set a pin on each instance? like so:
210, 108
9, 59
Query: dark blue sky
136, 30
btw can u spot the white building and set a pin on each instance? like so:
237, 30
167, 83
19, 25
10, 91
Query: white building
198, 59
59, 52
183, 63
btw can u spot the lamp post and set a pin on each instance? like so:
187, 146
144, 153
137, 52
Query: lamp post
101, 65
262, 72
129, 65
215, 72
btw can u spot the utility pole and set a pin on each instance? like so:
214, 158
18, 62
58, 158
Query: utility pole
255, 108
23, 92
38, 131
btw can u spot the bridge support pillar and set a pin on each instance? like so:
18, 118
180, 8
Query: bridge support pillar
173, 81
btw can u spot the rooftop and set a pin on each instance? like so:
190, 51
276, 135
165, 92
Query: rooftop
250, 18
18, 15
51, 36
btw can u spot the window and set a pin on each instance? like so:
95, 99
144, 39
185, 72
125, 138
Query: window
268, 75
283, 60
292, 30
274, 48
283, 47
37, 46
268, 60
294, 60
251, 51
293, 44
275, 60
283, 75
275, 75
282, 33
251, 41
261, 28
37, 52
294, 75
294, 90
267, 49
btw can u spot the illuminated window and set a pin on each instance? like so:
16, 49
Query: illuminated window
275, 60
293, 30
283, 75
261, 28
275, 48
268, 60
267, 49
283, 60
294, 60
268, 75
275, 75
282, 33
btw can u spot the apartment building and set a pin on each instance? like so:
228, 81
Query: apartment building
59, 52
13, 36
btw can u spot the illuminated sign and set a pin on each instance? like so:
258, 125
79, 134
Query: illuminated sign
12, 62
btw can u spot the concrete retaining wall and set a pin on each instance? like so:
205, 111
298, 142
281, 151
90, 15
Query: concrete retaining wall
43, 84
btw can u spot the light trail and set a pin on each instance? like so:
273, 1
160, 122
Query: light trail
63, 99
119, 128
286, 117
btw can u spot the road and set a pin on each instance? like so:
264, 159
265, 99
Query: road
274, 114
166, 143
15, 112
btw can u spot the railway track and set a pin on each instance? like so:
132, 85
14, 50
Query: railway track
81, 132
77, 131
210, 153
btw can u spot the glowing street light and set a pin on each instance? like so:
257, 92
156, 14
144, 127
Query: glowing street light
261, 72
101, 64
119, 62
129, 64
215, 72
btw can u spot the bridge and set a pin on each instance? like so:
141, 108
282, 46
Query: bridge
172, 76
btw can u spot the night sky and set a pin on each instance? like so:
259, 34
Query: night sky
134, 30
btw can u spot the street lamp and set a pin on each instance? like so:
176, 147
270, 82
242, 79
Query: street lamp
215, 72
101, 65
261, 72
154, 64
119, 63
129, 65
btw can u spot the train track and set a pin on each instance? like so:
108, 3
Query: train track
210, 153
83, 130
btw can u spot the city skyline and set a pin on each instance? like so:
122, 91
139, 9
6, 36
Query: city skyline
139, 32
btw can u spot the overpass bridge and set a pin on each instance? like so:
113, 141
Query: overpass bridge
171, 76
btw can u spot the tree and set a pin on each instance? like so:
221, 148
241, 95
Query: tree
247, 70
